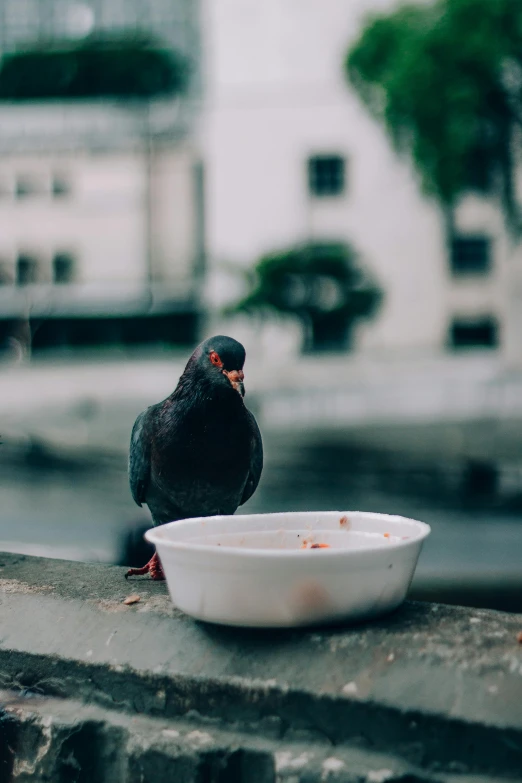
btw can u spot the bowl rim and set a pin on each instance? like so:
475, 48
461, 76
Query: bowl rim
152, 535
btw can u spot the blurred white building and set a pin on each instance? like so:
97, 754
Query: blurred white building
292, 154
101, 201
98, 218
104, 204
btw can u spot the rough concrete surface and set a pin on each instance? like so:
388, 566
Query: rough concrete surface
429, 693
52, 742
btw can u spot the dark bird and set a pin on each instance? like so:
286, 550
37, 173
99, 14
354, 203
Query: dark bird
199, 452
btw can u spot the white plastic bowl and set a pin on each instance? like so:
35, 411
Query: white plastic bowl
251, 570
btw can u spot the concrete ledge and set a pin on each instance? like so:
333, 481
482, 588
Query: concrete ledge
431, 693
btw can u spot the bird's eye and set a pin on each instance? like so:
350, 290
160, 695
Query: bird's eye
214, 358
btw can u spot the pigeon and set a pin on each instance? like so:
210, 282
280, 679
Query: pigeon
200, 451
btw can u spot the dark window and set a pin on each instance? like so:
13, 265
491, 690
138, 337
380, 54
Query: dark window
63, 268
60, 187
474, 333
471, 256
26, 270
326, 175
25, 188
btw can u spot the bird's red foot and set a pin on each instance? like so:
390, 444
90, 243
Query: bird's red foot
153, 567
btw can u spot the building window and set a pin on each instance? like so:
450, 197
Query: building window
471, 255
26, 270
326, 175
474, 333
60, 187
26, 187
63, 268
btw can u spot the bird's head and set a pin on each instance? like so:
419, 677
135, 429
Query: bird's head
222, 359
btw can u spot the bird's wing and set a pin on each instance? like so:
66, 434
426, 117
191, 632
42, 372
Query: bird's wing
256, 461
139, 457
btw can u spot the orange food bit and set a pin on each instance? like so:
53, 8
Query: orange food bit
386, 535
308, 545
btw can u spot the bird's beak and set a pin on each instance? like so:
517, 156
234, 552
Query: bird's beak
236, 378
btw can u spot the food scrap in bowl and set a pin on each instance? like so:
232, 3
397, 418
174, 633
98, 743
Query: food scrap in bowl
309, 544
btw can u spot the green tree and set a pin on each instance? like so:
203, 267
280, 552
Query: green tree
120, 66
446, 80
321, 284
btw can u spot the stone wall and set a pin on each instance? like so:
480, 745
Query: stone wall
100, 691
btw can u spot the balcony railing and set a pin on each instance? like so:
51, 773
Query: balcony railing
98, 299
106, 124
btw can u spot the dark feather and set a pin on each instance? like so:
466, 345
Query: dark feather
139, 457
256, 461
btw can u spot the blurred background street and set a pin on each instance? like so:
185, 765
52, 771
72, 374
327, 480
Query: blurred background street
337, 184
64, 485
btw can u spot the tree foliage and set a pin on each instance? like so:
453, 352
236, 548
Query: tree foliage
116, 67
321, 284
446, 79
